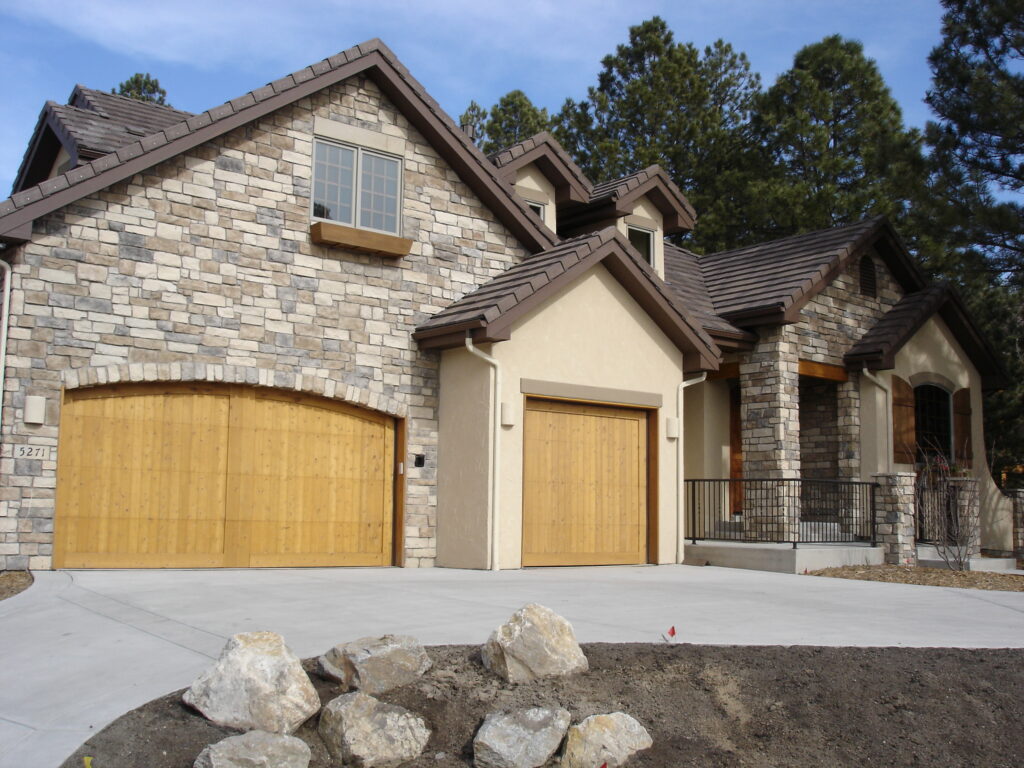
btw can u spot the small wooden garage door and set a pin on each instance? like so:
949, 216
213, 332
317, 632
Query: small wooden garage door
169, 476
585, 478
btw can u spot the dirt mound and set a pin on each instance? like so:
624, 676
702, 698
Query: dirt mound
703, 705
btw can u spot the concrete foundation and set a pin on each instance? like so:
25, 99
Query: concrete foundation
781, 558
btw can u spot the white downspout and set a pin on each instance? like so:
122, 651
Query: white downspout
492, 512
4, 327
679, 463
888, 436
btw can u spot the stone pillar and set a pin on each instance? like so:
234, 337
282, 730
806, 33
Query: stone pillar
770, 416
894, 517
848, 427
966, 523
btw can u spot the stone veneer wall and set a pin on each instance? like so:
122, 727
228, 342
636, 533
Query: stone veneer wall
202, 267
819, 439
895, 528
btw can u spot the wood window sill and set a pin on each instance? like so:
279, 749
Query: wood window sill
338, 235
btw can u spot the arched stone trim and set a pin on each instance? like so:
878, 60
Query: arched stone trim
133, 373
935, 379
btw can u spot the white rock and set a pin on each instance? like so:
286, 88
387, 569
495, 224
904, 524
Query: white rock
256, 749
526, 738
256, 684
359, 730
536, 642
600, 739
376, 664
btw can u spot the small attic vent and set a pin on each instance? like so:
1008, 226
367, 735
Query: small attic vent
868, 277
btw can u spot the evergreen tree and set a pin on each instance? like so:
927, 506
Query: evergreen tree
977, 153
143, 88
659, 101
513, 119
835, 143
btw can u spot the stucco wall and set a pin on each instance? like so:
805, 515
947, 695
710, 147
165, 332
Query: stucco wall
592, 334
706, 430
206, 261
933, 356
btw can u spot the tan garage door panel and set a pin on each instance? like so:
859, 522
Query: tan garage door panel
584, 484
206, 476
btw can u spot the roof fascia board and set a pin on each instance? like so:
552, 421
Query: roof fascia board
679, 214
164, 145
567, 187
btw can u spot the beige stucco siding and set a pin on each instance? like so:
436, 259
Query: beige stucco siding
706, 430
533, 186
933, 356
592, 334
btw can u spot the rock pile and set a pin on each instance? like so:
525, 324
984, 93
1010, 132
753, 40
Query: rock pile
258, 685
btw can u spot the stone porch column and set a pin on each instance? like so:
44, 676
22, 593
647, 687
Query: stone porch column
848, 427
770, 427
1017, 497
894, 517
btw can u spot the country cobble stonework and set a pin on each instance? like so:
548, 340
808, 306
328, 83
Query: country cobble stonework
203, 266
895, 530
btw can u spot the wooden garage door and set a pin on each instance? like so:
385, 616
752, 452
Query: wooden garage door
584, 484
165, 476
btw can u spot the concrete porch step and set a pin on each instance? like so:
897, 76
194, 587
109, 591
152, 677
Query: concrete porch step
928, 557
781, 558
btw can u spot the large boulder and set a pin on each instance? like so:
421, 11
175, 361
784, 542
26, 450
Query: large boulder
256, 684
359, 730
601, 739
536, 642
256, 749
526, 738
375, 665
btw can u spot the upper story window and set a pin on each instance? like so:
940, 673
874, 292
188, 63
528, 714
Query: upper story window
643, 241
868, 277
357, 187
537, 208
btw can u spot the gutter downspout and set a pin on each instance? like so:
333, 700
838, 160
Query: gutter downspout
679, 463
5, 267
888, 437
492, 512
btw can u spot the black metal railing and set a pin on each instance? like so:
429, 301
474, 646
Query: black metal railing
937, 514
790, 511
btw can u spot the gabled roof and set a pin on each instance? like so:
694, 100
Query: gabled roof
684, 278
92, 124
877, 349
373, 59
554, 162
616, 198
770, 282
489, 312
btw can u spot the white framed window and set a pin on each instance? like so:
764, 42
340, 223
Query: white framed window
357, 187
537, 208
643, 241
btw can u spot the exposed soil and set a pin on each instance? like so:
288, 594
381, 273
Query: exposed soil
703, 705
929, 577
13, 582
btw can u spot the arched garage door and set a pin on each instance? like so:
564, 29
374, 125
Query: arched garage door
178, 476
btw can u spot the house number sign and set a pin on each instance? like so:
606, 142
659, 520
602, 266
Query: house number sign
44, 452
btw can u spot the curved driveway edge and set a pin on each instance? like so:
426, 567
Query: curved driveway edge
80, 648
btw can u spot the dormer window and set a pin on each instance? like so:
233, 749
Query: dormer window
537, 208
357, 187
643, 241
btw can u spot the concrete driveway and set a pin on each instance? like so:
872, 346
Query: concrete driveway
80, 648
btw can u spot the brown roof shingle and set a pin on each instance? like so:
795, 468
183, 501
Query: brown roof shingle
684, 277
489, 311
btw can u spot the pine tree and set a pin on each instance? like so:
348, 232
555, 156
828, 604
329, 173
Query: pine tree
659, 101
836, 146
143, 88
475, 117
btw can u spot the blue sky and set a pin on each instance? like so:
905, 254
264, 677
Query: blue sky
208, 51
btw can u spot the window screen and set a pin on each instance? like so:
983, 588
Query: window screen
933, 415
334, 170
643, 241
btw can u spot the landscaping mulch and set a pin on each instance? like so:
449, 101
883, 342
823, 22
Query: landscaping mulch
929, 577
13, 582
703, 705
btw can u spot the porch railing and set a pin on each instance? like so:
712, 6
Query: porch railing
790, 511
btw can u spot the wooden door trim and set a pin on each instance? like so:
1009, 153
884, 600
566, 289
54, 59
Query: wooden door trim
401, 461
